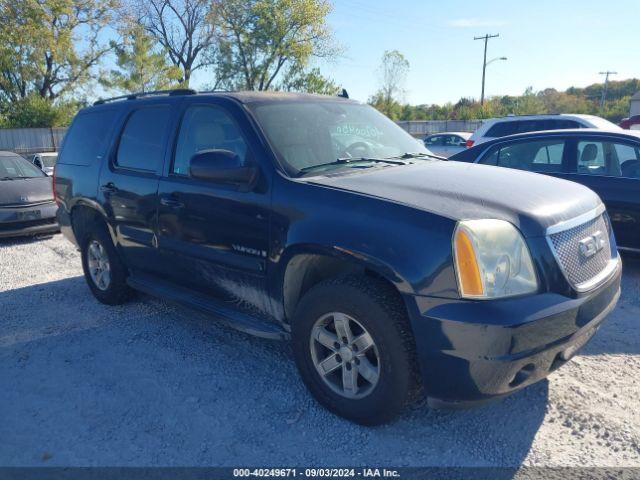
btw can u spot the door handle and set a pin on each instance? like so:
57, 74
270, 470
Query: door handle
168, 202
109, 188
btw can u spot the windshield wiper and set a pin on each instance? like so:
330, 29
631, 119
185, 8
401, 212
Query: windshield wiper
346, 160
409, 155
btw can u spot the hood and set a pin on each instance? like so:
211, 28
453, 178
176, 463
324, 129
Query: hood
26, 191
463, 191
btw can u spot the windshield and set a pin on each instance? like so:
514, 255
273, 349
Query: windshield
14, 167
48, 160
312, 133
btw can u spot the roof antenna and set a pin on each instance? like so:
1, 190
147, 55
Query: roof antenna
344, 93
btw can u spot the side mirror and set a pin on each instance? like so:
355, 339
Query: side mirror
222, 166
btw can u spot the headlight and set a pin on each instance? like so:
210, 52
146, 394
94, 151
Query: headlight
492, 260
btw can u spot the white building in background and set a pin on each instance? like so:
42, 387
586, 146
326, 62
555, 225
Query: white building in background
634, 108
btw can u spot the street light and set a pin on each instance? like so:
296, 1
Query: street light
483, 74
495, 59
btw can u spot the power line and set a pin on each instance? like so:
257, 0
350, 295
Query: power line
606, 84
484, 63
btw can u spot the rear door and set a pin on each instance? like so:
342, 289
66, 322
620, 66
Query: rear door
611, 168
541, 154
129, 182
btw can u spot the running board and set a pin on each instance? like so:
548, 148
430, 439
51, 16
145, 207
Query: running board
233, 318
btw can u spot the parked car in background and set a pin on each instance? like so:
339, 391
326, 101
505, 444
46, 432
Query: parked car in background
631, 123
26, 198
392, 272
607, 162
45, 161
514, 124
447, 143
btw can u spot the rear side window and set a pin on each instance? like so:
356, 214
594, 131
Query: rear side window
542, 156
454, 141
525, 126
87, 138
502, 129
143, 139
563, 124
597, 157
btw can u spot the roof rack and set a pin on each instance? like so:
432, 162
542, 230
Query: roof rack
530, 114
133, 96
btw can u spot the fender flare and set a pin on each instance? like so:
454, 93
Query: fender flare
95, 206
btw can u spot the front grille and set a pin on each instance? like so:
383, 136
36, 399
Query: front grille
577, 267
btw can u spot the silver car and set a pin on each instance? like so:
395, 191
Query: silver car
26, 198
446, 144
45, 161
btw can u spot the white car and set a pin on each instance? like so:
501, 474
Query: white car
501, 127
446, 144
45, 161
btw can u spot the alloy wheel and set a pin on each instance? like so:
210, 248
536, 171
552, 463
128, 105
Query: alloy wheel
345, 355
99, 266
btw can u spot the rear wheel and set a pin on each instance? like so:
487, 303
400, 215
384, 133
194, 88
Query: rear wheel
354, 349
103, 269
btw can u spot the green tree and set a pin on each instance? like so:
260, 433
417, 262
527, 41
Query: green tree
309, 81
34, 111
390, 107
182, 28
393, 75
140, 67
259, 41
50, 47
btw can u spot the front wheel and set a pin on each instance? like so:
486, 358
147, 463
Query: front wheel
354, 349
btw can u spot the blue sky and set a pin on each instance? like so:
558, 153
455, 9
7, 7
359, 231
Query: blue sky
556, 44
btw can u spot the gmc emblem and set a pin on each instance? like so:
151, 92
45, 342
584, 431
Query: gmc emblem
591, 245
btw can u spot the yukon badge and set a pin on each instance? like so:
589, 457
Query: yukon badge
591, 245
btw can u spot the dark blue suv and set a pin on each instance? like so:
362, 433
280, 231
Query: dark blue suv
318, 220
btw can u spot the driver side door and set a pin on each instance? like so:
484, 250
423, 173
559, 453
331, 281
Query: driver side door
214, 237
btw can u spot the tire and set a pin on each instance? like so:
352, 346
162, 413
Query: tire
115, 291
373, 307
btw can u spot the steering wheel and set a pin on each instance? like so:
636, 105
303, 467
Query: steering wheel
358, 149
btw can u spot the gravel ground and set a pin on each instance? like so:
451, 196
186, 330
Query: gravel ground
151, 383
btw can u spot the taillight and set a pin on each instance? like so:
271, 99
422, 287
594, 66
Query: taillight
469, 143
53, 185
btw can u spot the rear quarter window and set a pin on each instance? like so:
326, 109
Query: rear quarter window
87, 137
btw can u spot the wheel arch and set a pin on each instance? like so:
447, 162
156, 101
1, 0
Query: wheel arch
85, 213
307, 265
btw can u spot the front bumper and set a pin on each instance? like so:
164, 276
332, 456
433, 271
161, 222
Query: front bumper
474, 351
28, 220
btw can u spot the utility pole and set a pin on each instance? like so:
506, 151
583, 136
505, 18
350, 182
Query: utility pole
606, 84
484, 63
